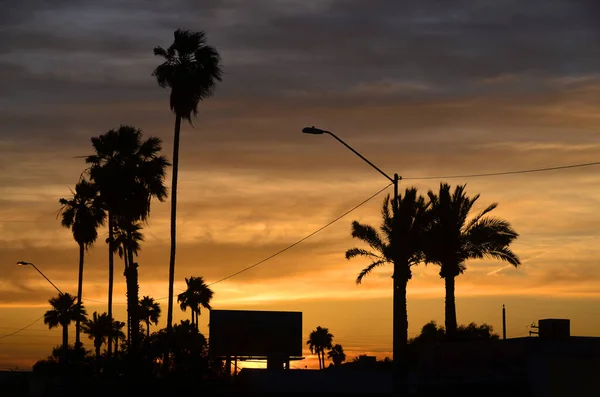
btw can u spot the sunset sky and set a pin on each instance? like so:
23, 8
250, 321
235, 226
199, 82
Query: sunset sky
417, 87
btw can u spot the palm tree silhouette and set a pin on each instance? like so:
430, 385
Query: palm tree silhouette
83, 214
319, 340
117, 333
129, 172
124, 241
149, 312
98, 329
337, 355
126, 238
197, 295
64, 311
191, 69
452, 239
400, 244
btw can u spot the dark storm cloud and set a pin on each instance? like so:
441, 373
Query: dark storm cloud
278, 47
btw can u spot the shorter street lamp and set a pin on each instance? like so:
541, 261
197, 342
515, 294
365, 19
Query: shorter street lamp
23, 263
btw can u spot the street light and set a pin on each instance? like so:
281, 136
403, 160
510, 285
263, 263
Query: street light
394, 180
23, 263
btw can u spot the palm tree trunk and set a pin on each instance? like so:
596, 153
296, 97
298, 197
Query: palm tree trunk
65, 337
147, 327
197, 314
126, 263
175, 171
97, 351
111, 269
400, 327
193, 317
79, 292
65, 344
450, 309
132, 300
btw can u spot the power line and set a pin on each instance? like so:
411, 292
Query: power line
301, 240
563, 167
22, 329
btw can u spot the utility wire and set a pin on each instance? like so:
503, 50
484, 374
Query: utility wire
22, 329
563, 167
301, 240
294, 244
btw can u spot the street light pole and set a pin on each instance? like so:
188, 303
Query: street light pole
22, 263
395, 206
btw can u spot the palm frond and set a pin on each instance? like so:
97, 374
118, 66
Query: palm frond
478, 217
354, 252
368, 234
368, 270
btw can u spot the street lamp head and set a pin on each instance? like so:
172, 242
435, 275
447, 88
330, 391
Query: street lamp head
313, 130
22, 263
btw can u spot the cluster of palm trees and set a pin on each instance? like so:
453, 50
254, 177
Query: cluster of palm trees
436, 231
123, 176
101, 329
320, 340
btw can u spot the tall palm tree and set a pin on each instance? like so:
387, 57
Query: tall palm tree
337, 355
83, 214
129, 172
197, 295
453, 238
400, 244
65, 310
318, 341
149, 312
191, 68
98, 329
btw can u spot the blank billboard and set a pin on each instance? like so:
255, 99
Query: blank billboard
246, 333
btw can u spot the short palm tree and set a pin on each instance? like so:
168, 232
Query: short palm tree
197, 295
83, 214
400, 244
117, 333
126, 239
337, 355
149, 312
191, 68
64, 311
453, 238
98, 329
129, 172
318, 341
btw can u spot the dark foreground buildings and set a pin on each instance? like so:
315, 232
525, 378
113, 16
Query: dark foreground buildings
550, 364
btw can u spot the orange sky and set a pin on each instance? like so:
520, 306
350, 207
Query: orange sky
425, 94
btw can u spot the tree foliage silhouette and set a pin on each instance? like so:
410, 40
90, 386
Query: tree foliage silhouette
452, 239
337, 355
117, 333
399, 244
149, 312
318, 341
126, 239
191, 68
83, 214
129, 172
99, 329
196, 296
64, 311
